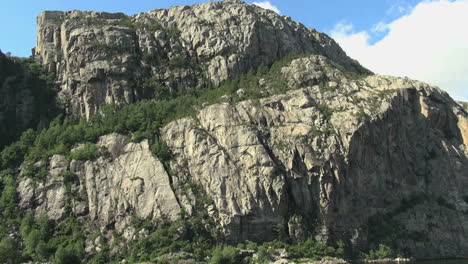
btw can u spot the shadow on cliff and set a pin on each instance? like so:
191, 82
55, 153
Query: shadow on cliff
409, 156
27, 97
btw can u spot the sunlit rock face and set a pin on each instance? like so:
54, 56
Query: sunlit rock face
103, 58
357, 157
365, 159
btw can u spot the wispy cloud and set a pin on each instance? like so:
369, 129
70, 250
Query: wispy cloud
399, 8
429, 43
380, 27
267, 5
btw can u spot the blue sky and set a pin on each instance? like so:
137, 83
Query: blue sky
422, 39
18, 18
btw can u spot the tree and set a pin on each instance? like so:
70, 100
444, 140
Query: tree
42, 251
65, 256
8, 199
225, 255
27, 224
382, 252
161, 150
31, 242
8, 250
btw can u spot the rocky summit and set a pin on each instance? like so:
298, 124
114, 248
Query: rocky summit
226, 124
100, 58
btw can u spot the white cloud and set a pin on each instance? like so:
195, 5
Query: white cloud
267, 5
400, 7
429, 43
380, 27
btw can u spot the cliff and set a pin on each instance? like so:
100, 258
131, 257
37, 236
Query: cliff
102, 58
368, 161
234, 124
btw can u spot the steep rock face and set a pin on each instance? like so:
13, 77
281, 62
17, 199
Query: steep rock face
402, 160
133, 182
127, 182
372, 160
103, 58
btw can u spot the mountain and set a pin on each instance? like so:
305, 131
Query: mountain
194, 126
101, 58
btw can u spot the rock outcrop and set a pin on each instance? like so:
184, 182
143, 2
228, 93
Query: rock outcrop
127, 182
101, 58
464, 105
366, 161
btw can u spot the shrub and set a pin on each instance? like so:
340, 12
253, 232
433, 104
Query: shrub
8, 199
161, 150
173, 32
156, 89
68, 177
381, 253
251, 245
8, 250
225, 255
86, 152
178, 62
66, 256
31, 241
13, 155
263, 256
326, 110
153, 27
311, 249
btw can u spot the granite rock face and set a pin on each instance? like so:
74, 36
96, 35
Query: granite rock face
101, 58
341, 155
363, 160
127, 182
361, 155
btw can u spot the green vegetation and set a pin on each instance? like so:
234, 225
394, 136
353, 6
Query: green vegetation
22, 82
372, 104
361, 114
24, 237
225, 255
142, 120
309, 249
86, 152
383, 252
326, 130
326, 110
179, 62
360, 73
324, 87
173, 32
12, 155
314, 250
40, 239
158, 91
8, 250
187, 235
